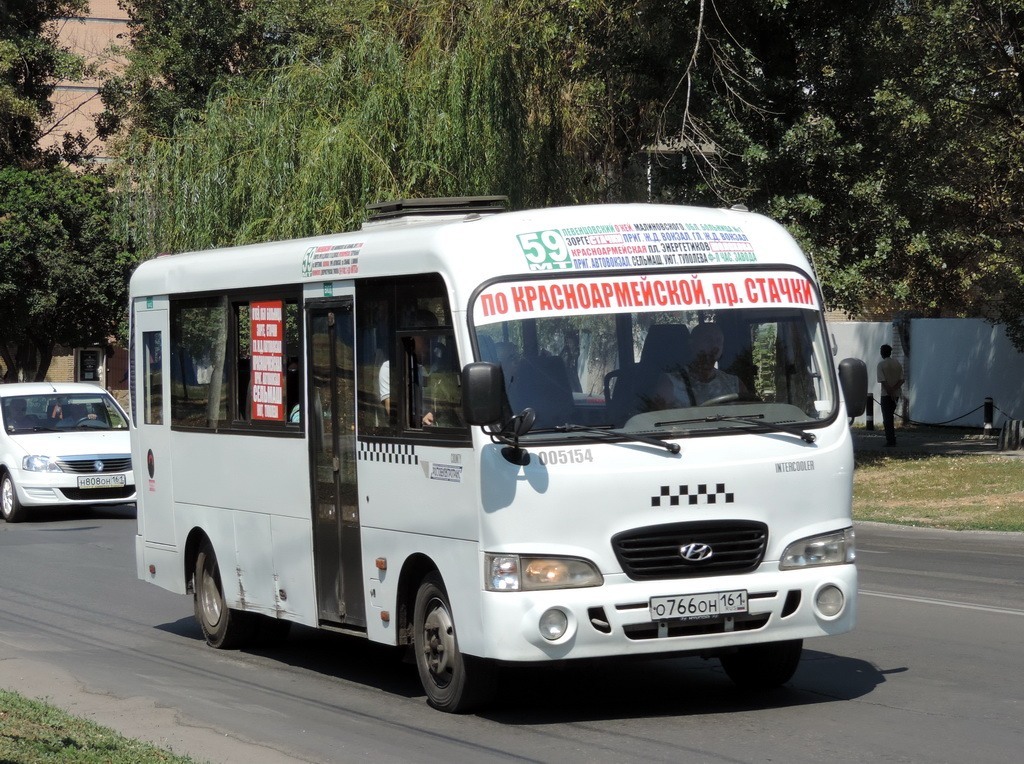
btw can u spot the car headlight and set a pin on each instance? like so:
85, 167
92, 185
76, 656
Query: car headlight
513, 572
828, 549
40, 464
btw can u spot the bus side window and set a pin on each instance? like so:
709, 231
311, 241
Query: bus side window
443, 384
375, 357
408, 369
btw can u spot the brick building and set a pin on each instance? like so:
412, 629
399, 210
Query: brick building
76, 103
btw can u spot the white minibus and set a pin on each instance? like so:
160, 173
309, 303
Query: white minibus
501, 437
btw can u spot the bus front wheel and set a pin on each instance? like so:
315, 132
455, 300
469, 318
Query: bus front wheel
454, 682
222, 627
762, 667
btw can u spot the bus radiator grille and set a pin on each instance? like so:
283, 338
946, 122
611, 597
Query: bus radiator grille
657, 551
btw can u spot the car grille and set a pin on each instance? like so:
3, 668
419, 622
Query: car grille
98, 494
654, 552
87, 464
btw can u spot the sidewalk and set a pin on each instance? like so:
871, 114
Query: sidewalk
931, 440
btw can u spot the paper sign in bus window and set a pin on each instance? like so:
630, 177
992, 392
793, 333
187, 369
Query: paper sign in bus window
267, 336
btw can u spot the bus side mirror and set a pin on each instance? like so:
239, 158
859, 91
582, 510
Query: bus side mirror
853, 378
483, 393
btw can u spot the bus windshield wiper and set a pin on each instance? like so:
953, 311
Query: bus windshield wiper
749, 419
672, 448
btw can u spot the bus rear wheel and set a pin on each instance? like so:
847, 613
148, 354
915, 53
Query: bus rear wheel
762, 667
454, 682
222, 627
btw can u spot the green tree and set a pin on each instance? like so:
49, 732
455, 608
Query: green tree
177, 52
30, 59
423, 104
63, 268
886, 135
895, 153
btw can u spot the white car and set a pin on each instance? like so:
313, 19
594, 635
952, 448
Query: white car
62, 445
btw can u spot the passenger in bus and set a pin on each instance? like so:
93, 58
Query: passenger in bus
291, 386
702, 380
417, 345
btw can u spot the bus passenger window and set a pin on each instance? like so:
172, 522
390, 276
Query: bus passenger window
152, 378
407, 365
443, 391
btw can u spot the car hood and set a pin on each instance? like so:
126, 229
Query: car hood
73, 443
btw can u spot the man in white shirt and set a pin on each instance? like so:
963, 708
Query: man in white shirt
890, 377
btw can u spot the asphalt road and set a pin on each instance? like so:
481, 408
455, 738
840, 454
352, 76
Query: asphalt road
934, 671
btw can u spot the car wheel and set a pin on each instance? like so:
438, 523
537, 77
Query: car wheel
12, 509
454, 682
222, 626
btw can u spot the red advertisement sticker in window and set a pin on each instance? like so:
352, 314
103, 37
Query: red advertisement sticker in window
266, 321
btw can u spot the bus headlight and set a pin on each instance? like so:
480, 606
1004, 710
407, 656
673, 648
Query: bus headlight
513, 572
828, 549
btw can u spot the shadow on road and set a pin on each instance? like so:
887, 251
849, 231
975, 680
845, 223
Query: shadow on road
577, 690
670, 687
43, 516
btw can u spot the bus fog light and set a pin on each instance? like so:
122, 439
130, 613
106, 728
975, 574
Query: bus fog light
829, 601
553, 624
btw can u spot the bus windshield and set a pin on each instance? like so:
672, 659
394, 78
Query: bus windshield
666, 354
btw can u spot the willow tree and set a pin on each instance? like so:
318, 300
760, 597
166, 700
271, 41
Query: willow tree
418, 106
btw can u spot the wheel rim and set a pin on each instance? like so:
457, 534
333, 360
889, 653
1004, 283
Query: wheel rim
210, 599
438, 643
8, 497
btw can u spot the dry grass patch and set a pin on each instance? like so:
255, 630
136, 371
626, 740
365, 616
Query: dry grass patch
958, 492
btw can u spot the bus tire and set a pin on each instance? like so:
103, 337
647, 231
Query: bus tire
454, 682
222, 626
762, 667
12, 509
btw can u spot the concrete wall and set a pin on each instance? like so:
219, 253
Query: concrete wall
950, 364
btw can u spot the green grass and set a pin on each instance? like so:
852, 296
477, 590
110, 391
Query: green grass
32, 732
973, 492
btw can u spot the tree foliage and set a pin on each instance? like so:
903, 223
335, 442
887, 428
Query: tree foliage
30, 58
63, 270
419, 105
888, 136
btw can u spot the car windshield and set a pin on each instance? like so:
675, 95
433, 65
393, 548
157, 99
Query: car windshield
663, 354
52, 412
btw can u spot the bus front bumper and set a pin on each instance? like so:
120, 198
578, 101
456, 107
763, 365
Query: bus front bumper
616, 619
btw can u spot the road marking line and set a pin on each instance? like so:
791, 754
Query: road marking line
947, 603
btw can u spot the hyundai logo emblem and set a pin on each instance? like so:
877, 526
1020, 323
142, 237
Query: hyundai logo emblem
696, 552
